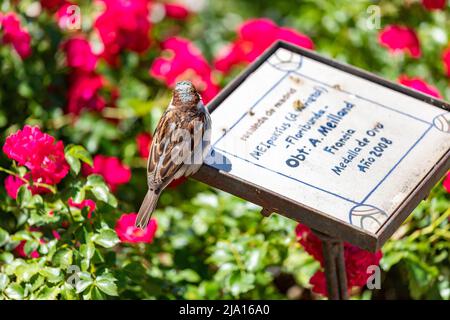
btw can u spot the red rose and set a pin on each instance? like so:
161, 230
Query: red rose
123, 25
14, 34
52, 4
143, 142
446, 60
111, 169
12, 185
356, 261
84, 92
39, 152
181, 60
255, 36
19, 250
434, 4
176, 11
446, 182
399, 38
90, 204
420, 85
79, 54
128, 233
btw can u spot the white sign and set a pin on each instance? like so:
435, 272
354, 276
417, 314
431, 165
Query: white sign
337, 143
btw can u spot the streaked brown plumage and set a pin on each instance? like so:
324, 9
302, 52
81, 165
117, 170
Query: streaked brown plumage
180, 143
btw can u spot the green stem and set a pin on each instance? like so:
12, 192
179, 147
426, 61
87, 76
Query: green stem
37, 184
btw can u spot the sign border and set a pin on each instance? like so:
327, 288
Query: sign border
317, 220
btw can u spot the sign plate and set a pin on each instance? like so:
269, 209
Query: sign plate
348, 148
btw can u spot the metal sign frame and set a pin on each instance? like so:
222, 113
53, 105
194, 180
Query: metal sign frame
316, 220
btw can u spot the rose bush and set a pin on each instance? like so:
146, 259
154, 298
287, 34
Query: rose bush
79, 97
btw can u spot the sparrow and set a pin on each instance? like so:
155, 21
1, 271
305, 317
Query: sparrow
180, 144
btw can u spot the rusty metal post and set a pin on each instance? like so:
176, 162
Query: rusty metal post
334, 265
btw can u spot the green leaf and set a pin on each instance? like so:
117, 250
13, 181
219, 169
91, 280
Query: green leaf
74, 163
240, 282
98, 187
15, 291
87, 250
4, 237
53, 275
63, 258
6, 257
48, 293
4, 280
24, 196
105, 283
68, 292
84, 281
106, 238
25, 271
96, 294
79, 152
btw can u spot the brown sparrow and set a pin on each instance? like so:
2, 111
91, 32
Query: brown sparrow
180, 144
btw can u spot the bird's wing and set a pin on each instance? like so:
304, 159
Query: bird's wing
171, 146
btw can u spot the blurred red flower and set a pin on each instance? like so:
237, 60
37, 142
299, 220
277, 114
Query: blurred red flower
79, 54
12, 185
400, 38
255, 36
84, 92
14, 34
434, 4
176, 11
128, 233
123, 25
39, 152
143, 142
90, 204
52, 4
356, 260
446, 182
111, 169
446, 60
181, 60
419, 85
20, 251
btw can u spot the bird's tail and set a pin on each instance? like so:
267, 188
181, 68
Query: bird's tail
146, 210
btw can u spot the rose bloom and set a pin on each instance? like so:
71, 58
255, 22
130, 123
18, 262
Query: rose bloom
87, 203
20, 251
79, 54
12, 185
181, 60
400, 39
420, 85
84, 92
255, 36
356, 261
123, 25
128, 233
52, 4
446, 182
143, 142
39, 152
176, 11
446, 60
15, 35
434, 4
111, 169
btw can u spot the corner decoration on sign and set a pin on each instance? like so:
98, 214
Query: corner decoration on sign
327, 144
